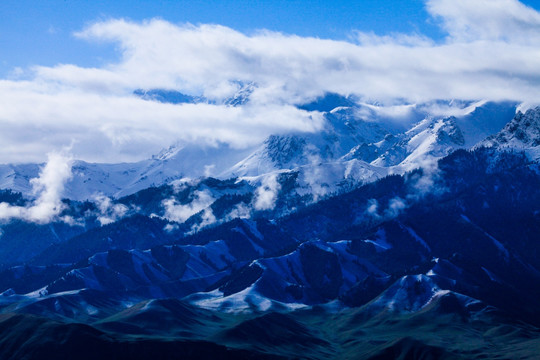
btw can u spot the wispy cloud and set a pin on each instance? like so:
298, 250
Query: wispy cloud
491, 52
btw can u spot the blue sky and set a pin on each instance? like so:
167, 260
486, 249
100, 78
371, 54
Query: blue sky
68, 68
40, 32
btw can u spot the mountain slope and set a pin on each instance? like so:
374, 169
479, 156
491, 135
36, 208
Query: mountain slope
304, 259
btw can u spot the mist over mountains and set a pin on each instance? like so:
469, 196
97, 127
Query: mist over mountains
369, 238
287, 180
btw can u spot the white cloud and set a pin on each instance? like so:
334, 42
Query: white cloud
314, 176
395, 206
109, 212
266, 194
466, 20
47, 188
170, 228
240, 211
207, 218
180, 213
492, 52
427, 181
373, 208
115, 128
209, 170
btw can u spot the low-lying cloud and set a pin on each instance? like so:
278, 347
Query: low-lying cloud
48, 189
420, 183
177, 212
491, 52
267, 193
109, 212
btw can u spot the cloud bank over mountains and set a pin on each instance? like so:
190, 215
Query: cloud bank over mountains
491, 52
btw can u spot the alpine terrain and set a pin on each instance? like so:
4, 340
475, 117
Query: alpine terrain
369, 238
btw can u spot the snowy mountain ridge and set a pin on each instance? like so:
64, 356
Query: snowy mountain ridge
350, 149
311, 238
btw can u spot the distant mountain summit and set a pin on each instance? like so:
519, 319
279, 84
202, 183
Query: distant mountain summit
342, 131
522, 133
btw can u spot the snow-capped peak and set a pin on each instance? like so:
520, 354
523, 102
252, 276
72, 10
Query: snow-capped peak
522, 133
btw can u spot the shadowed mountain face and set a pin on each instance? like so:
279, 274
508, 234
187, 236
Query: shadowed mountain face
440, 262
392, 269
451, 326
29, 337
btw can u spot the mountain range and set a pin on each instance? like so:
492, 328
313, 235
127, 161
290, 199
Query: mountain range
373, 238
